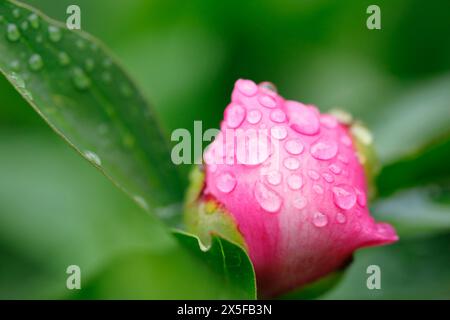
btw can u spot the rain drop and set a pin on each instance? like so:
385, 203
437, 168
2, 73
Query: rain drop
277, 115
274, 178
319, 219
302, 118
324, 149
254, 116
54, 33
361, 198
63, 58
80, 79
344, 196
93, 157
268, 199
24, 25
278, 132
234, 115
291, 163
226, 182
294, 147
299, 202
340, 218
34, 20
16, 13
267, 101
247, 87
328, 121
13, 33
35, 62
295, 182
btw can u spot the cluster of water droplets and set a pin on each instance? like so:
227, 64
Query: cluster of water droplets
290, 127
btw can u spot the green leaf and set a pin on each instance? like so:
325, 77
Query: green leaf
78, 88
417, 211
417, 118
413, 269
227, 259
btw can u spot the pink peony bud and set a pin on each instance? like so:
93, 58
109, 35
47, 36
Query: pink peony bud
286, 183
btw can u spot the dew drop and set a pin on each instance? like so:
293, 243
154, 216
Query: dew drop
16, 13
335, 168
80, 79
234, 115
302, 119
34, 20
361, 198
291, 163
324, 149
35, 62
24, 25
269, 86
254, 116
247, 87
93, 157
299, 201
319, 219
295, 182
274, 178
340, 218
278, 132
267, 101
318, 189
54, 34
277, 115
268, 199
89, 64
13, 33
313, 175
63, 58
328, 177
328, 121
344, 196
226, 182
294, 146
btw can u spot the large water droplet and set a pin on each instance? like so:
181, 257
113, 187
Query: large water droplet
35, 62
291, 163
294, 146
277, 115
267, 101
93, 157
226, 182
299, 201
324, 149
274, 177
302, 119
319, 219
63, 58
54, 34
80, 79
234, 115
254, 116
268, 199
247, 87
12, 32
340, 218
295, 182
344, 196
34, 20
278, 132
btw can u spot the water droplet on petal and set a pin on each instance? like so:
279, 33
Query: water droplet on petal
295, 182
318, 189
319, 219
344, 196
313, 175
274, 177
294, 146
93, 157
361, 197
234, 115
268, 199
269, 86
54, 34
267, 101
299, 201
34, 20
291, 163
80, 79
277, 115
335, 168
247, 87
254, 116
278, 132
226, 182
302, 119
328, 177
340, 218
324, 149
35, 62
63, 58
12, 32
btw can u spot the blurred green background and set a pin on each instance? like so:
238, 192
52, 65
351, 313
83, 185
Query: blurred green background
57, 210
